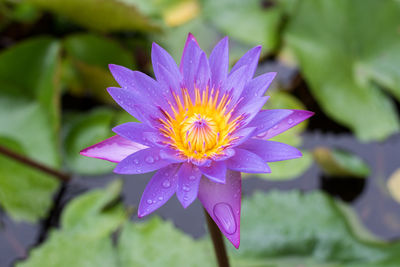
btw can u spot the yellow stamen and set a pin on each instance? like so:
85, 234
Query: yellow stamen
199, 128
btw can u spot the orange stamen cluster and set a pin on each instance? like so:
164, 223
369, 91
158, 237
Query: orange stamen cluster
201, 128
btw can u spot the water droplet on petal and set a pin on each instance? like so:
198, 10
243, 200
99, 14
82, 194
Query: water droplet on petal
290, 121
149, 201
186, 188
136, 161
149, 159
223, 212
160, 198
192, 178
166, 184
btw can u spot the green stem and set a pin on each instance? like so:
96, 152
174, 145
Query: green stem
218, 242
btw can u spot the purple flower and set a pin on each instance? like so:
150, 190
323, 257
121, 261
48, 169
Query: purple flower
201, 125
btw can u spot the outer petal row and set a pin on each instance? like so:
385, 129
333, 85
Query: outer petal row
113, 149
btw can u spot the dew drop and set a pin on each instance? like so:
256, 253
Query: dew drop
192, 178
160, 198
290, 121
166, 184
136, 161
149, 159
149, 201
186, 188
223, 212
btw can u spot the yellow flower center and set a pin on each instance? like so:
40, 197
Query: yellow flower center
201, 128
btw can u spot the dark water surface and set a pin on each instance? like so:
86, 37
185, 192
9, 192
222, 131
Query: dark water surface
370, 198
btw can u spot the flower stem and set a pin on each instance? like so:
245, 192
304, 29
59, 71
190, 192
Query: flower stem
34, 164
218, 242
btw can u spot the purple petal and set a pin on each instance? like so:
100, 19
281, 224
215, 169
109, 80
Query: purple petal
222, 202
160, 57
113, 149
134, 105
250, 110
266, 119
271, 151
227, 153
168, 82
219, 62
160, 188
257, 87
189, 38
143, 161
203, 75
134, 131
292, 120
216, 171
246, 161
235, 83
188, 184
190, 64
122, 75
171, 155
242, 135
250, 59
143, 86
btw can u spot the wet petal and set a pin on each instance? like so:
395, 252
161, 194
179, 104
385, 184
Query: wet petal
159, 190
143, 161
189, 65
160, 57
188, 183
203, 75
271, 151
216, 171
222, 202
133, 103
168, 82
113, 149
293, 119
242, 135
142, 85
235, 83
266, 119
219, 62
246, 161
134, 131
189, 39
250, 60
257, 87
249, 111
122, 75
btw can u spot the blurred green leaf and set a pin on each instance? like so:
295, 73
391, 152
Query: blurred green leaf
158, 243
83, 130
346, 56
99, 15
25, 193
319, 236
246, 21
340, 163
287, 169
29, 102
86, 65
85, 235
96, 50
29, 112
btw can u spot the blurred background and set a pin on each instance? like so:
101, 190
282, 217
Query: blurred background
336, 206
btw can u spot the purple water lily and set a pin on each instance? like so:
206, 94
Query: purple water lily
201, 125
